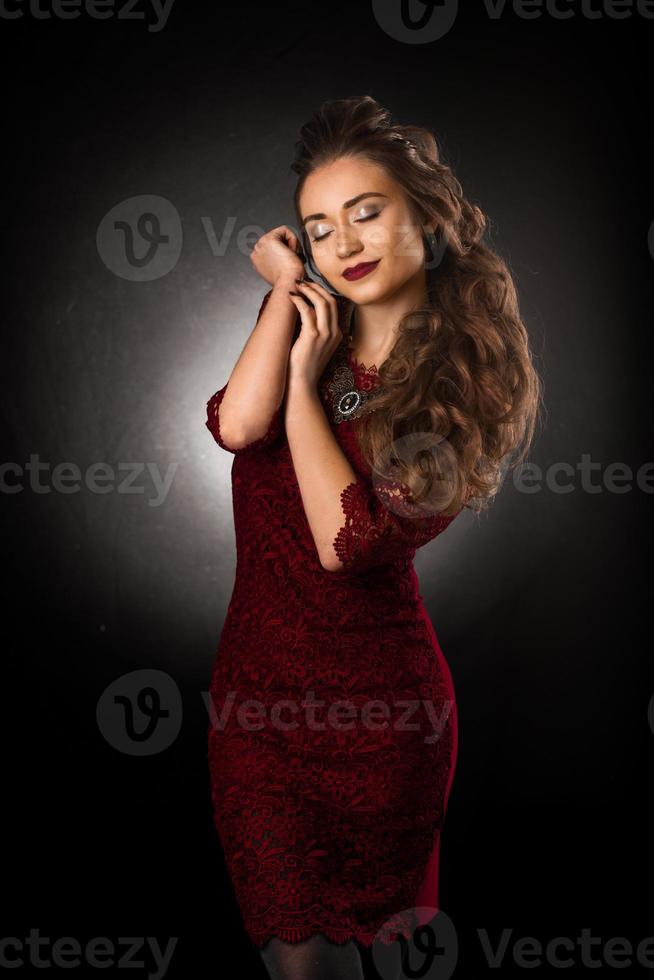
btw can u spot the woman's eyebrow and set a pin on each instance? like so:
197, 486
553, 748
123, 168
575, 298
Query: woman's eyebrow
348, 204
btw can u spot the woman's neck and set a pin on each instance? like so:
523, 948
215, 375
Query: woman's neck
373, 327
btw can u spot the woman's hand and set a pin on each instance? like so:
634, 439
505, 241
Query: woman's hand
275, 256
320, 333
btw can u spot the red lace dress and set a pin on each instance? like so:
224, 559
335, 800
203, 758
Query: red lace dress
329, 817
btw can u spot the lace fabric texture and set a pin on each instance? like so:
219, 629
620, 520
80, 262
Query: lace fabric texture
318, 815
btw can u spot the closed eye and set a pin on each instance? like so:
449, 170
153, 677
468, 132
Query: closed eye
356, 222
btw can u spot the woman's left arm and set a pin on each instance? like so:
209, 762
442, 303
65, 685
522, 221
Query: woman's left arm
321, 467
355, 527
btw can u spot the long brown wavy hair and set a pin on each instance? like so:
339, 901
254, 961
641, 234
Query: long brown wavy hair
461, 393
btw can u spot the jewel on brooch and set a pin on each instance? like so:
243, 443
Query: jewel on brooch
348, 401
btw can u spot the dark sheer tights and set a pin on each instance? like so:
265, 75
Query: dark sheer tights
315, 958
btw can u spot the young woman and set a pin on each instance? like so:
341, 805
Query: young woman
364, 413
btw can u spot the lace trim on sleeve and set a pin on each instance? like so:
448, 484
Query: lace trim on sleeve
213, 424
379, 526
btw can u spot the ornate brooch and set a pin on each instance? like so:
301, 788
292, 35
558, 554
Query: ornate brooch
348, 401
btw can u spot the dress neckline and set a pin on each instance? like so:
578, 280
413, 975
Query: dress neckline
360, 368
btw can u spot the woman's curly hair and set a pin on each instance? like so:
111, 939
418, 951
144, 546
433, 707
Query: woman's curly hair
461, 391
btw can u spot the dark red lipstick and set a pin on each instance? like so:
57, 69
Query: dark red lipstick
360, 270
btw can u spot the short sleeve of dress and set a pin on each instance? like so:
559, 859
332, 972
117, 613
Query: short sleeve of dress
381, 526
271, 434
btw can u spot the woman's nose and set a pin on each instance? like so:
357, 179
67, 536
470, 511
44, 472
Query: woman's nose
347, 243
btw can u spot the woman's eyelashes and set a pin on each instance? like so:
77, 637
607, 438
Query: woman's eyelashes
368, 217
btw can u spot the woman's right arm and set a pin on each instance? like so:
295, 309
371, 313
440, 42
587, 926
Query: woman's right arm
257, 384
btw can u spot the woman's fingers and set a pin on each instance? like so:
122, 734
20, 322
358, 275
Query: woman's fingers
303, 305
306, 306
320, 289
311, 294
308, 325
325, 304
304, 301
285, 234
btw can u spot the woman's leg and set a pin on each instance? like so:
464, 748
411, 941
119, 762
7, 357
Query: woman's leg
315, 958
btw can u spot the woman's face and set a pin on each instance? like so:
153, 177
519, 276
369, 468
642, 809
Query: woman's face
344, 232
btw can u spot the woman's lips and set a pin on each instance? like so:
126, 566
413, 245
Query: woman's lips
361, 270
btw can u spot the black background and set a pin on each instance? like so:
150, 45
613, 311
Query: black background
540, 608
